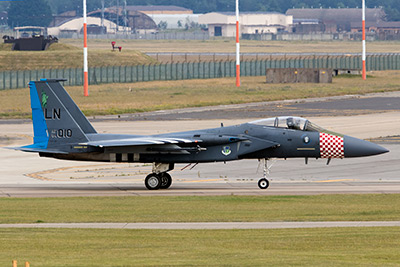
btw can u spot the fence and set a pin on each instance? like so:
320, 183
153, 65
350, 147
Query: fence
195, 70
144, 36
197, 35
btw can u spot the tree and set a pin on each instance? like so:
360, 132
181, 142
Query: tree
162, 25
29, 13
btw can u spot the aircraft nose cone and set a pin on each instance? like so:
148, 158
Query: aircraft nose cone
354, 147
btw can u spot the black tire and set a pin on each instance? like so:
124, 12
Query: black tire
263, 183
166, 180
153, 181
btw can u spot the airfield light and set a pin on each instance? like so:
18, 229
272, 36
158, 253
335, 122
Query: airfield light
237, 46
364, 71
85, 61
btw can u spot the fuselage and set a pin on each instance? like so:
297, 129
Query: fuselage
245, 141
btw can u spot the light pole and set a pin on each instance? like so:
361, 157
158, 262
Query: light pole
364, 68
237, 46
85, 61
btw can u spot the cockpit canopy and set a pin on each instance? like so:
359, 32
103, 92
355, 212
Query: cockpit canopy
295, 123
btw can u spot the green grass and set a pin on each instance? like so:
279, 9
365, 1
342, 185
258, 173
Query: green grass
201, 209
289, 247
68, 52
353, 76
366, 246
61, 56
158, 95
246, 46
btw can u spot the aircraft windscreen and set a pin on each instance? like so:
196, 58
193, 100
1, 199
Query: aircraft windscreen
265, 122
312, 127
295, 123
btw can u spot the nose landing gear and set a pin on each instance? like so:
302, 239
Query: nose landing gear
263, 183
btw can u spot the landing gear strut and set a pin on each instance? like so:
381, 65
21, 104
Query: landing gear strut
159, 179
263, 183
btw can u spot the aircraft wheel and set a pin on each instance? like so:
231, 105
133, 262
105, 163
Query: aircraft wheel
166, 180
263, 183
153, 181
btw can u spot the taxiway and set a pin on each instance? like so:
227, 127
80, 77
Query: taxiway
28, 175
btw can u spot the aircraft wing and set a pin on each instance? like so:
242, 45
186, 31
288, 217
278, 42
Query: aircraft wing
140, 141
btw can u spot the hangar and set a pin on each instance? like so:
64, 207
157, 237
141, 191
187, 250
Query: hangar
76, 25
336, 20
129, 17
224, 23
159, 9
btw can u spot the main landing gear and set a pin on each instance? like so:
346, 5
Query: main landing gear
263, 183
159, 179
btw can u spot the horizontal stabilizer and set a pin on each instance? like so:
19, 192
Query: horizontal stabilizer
37, 150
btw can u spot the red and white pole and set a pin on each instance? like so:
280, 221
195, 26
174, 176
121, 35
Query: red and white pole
85, 60
364, 67
237, 46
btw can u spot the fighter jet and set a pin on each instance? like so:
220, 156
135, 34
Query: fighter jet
62, 131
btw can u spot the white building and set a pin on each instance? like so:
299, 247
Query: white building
224, 23
175, 21
76, 26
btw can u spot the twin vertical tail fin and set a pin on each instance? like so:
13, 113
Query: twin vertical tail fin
57, 120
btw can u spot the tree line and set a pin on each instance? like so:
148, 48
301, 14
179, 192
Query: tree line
391, 7
39, 12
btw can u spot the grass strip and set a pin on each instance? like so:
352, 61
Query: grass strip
159, 95
378, 246
368, 207
61, 56
222, 45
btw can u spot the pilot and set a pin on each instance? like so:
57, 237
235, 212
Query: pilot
293, 124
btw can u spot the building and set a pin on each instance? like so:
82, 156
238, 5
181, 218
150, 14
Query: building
179, 21
385, 30
305, 26
336, 20
75, 26
135, 17
129, 17
224, 23
166, 10
175, 17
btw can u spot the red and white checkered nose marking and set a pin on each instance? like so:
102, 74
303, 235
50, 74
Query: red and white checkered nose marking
331, 146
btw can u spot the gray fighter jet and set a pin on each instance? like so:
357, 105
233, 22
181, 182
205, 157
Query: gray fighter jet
62, 131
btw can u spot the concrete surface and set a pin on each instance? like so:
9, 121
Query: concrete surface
26, 174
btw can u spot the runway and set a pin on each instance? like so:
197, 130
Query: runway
205, 225
204, 189
28, 175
